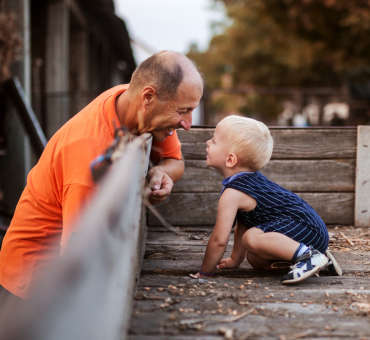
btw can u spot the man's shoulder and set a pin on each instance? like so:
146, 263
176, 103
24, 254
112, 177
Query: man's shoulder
84, 123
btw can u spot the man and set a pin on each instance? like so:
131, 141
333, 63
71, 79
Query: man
164, 91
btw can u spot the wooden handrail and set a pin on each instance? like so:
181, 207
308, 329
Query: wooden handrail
88, 293
26, 114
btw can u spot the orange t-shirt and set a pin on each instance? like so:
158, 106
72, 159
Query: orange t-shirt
57, 187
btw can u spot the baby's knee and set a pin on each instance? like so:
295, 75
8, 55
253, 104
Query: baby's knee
250, 240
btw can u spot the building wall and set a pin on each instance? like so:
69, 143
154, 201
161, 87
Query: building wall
66, 61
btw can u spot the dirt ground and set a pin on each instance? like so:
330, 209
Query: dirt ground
248, 304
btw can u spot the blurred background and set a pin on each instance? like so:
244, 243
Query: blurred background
284, 62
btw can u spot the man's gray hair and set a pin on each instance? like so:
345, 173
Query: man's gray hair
158, 72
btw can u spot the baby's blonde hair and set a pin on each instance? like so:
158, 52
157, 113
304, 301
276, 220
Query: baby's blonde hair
249, 139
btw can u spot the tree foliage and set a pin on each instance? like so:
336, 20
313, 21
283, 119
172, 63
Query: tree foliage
289, 43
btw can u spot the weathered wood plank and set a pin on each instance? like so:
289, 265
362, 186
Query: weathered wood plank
201, 208
280, 307
181, 267
96, 277
294, 143
295, 175
362, 204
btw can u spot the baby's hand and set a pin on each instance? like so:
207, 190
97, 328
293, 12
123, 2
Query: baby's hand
195, 276
227, 263
198, 275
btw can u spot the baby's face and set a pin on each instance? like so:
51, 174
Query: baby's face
217, 150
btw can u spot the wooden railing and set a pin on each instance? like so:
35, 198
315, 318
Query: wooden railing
319, 164
27, 116
88, 293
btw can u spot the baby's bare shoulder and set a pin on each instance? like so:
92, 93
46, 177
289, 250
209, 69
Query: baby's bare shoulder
242, 200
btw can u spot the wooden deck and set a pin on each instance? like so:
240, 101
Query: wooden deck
319, 165
252, 304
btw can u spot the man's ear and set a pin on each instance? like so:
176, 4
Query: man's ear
231, 160
148, 96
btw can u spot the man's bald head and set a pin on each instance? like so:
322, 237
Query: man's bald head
165, 71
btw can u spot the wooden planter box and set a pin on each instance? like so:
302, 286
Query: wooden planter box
318, 164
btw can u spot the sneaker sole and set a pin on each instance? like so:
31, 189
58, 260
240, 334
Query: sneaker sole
334, 268
306, 275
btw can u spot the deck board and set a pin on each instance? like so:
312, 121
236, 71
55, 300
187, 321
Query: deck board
275, 312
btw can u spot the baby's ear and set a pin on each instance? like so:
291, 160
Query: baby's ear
231, 160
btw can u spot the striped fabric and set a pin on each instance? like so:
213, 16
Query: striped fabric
279, 210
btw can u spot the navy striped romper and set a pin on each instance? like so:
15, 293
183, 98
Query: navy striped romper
279, 210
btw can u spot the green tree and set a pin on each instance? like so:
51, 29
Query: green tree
290, 43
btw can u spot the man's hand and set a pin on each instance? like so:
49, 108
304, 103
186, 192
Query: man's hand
159, 185
227, 263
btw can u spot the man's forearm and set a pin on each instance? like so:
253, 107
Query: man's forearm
172, 167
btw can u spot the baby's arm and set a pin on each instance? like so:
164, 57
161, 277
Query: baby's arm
230, 202
239, 252
226, 212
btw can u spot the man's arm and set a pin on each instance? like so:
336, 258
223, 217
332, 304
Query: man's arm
172, 167
162, 177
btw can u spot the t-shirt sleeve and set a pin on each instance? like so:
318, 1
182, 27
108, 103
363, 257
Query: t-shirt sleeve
75, 199
169, 148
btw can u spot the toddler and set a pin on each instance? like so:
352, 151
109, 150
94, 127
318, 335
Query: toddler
273, 224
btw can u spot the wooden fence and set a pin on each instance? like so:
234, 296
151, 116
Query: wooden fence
88, 293
319, 164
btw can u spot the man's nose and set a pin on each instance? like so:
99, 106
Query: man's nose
186, 122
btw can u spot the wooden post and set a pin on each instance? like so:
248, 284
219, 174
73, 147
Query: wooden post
79, 70
362, 200
57, 66
16, 164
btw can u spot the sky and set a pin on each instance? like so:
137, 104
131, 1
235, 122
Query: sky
168, 24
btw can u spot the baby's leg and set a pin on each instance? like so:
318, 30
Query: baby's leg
259, 263
269, 246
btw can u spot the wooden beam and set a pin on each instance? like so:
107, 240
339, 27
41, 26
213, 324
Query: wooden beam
362, 201
332, 175
26, 115
290, 143
87, 294
78, 14
16, 164
57, 66
201, 208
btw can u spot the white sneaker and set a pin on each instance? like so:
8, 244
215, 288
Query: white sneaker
333, 265
305, 266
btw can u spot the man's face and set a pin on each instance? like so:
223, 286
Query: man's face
174, 114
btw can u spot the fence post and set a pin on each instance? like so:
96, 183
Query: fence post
362, 200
